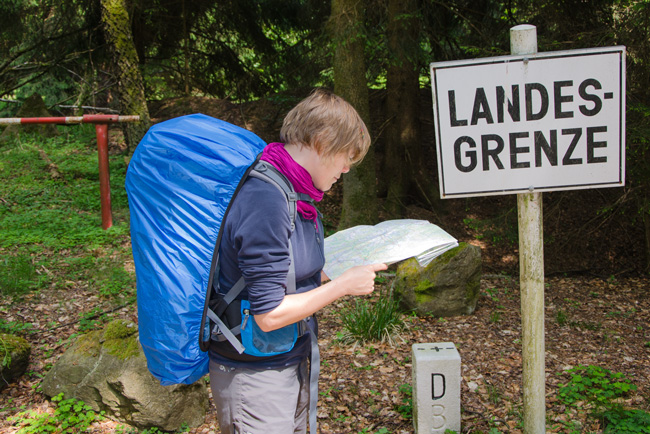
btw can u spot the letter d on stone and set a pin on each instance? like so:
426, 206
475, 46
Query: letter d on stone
438, 386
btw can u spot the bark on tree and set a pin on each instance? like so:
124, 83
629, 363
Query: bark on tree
360, 184
186, 52
117, 31
404, 158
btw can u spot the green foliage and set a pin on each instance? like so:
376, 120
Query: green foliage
46, 47
406, 408
601, 389
11, 344
71, 416
382, 430
153, 430
561, 317
595, 385
620, 421
495, 316
240, 49
111, 279
366, 320
5, 354
92, 320
57, 212
54, 216
15, 327
17, 274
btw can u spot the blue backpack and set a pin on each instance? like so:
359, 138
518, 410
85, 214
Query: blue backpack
180, 181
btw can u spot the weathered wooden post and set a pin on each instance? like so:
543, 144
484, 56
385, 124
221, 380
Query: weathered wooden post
528, 123
523, 40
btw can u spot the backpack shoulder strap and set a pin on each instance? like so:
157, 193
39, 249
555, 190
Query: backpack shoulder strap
268, 173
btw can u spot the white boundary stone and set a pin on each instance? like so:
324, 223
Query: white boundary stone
436, 388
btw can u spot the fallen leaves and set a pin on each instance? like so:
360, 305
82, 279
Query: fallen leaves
603, 323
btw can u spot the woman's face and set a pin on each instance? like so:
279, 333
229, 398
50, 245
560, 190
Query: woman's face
329, 170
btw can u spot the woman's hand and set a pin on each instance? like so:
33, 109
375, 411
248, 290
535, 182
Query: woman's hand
294, 307
360, 280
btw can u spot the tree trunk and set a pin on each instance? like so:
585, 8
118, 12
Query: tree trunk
404, 158
186, 52
117, 31
359, 185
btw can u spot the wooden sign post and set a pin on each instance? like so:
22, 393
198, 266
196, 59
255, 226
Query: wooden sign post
523, 40
524, 124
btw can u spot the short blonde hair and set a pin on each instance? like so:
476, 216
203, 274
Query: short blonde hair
329, 124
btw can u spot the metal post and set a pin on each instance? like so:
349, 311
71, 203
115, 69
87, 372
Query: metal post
101, 129
523, 40
104, 177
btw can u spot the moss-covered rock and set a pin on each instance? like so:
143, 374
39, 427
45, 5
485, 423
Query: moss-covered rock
14, 358
120, 339
108, 371
448, 286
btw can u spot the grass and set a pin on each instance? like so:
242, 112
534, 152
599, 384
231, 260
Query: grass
17, 274
50, 219
63, 211
371, 320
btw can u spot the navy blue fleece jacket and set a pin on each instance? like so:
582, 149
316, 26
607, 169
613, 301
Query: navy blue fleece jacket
255, 244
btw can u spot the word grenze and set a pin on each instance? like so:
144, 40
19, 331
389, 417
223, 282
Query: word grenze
542, 148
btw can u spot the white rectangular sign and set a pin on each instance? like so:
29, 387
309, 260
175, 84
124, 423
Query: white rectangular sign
539, 122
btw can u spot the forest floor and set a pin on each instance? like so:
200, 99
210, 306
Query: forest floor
597, 312
589, 321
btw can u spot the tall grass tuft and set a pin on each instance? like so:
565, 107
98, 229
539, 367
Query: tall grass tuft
372, 319
17, 274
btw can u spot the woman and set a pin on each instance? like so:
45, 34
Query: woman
323, 136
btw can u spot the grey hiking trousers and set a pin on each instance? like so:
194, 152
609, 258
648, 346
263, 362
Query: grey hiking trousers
261, 401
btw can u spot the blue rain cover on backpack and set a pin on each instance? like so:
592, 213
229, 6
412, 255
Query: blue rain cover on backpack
179, 182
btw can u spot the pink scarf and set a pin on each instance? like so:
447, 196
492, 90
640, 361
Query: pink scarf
275, 154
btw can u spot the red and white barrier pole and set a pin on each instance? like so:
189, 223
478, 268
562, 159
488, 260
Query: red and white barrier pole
101, 130
85, 119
